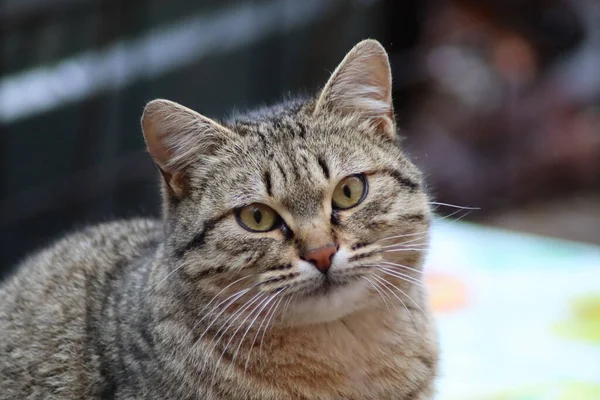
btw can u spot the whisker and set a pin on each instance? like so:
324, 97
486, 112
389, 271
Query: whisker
264, 304
399, 275
164, 279
437, 203
267, 315
167, 277
417, 246
235, 296
261, 301
228, 324
378, 291
385, 282
406, 242
461, 217
403, 266
222, 290
259, 326
246, 291
401, 236
410, 298
262, 339
398, 246
233, 317
421, 250
287, 304
453, 213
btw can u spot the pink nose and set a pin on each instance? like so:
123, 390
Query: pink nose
321, 257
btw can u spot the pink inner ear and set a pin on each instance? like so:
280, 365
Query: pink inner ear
361, 83
176, 136
156, 147
175, 181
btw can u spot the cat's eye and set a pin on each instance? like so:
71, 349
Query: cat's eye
257, 217
349, 192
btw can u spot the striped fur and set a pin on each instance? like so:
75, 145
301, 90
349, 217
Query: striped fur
195, 307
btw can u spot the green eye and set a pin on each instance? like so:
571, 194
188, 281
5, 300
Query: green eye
257, 217
349, 192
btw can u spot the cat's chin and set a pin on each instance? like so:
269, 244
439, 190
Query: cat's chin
328, 302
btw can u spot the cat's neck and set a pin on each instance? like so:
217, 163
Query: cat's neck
360, 350
365, 330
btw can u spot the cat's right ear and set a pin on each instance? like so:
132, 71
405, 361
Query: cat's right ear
362, 85
176, 137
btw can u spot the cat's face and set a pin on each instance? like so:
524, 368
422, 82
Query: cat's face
310, 207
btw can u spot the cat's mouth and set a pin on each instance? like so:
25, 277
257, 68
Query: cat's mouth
327, 287
328, 299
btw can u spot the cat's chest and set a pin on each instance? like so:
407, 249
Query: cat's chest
338, 364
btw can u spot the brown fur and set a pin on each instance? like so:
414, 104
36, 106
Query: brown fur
148, 309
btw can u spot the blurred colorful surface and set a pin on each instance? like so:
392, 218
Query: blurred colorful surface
518, 315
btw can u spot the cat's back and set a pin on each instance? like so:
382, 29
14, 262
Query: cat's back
77, 257
45, 306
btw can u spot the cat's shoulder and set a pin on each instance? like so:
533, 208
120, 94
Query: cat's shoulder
95, 247
115, 237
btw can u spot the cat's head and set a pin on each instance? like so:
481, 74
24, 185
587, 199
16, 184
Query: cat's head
310, 205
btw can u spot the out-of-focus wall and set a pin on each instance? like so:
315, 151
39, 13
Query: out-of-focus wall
498, 100
76, 75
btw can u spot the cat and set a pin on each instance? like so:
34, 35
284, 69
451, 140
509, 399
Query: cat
287, 264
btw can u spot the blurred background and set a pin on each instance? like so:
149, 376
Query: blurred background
499, 101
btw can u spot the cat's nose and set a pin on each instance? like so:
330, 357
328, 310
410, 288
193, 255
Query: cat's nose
321, 257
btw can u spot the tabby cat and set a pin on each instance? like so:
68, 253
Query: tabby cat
287, 264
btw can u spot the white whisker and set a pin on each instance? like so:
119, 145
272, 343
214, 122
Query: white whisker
228, 324
461, 217
406, 246
262, 339
398, 246
437, 203
259, 326
222, 290
410, 298
233, 317
392, 272
370, 282
421, 250
235, 297
263, 304
403, 266
400, 275
401, 236
423, 236
260, 303
171, 273
165, 278
452, 214
385, 282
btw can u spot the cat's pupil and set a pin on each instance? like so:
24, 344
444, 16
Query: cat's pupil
257, 216
347, 191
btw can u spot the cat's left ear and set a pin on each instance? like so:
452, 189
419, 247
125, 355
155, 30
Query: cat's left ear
362, 85
177, 137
